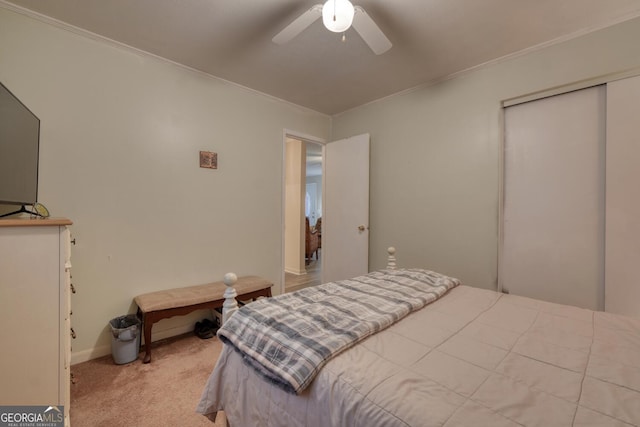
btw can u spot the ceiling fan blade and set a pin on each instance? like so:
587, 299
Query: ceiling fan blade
299, 25
370, 32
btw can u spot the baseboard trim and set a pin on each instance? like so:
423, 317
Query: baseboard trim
105, 350
90, 354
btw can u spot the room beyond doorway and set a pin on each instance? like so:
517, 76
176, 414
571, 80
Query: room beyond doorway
303, 201
313, 182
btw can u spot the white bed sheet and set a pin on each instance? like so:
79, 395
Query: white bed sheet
472, 358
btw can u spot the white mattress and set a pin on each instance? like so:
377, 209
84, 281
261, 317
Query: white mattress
472, 358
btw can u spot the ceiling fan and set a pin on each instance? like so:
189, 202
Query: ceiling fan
338, 16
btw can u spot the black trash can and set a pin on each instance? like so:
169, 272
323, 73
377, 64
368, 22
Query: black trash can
125, 338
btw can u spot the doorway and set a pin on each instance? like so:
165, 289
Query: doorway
344, 207
303, 203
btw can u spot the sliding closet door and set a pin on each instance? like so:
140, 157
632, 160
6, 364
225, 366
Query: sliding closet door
622, 256
553, 218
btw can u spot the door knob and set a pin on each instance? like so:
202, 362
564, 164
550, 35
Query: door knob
361, 228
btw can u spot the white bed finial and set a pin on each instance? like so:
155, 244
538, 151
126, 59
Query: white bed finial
391, 261
230, 305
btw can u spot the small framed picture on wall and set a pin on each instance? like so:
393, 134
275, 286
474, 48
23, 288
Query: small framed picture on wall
208, 160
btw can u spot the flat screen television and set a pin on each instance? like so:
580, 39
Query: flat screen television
19, 147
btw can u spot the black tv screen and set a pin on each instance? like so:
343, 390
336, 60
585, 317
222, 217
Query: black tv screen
19, 145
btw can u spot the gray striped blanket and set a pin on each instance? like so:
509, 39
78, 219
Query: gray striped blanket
288, 338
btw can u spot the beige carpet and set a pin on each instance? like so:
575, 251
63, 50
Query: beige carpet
164, 392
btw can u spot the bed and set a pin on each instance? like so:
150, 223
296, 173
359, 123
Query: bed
470, 357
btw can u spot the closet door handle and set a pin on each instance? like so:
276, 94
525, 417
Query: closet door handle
73, 334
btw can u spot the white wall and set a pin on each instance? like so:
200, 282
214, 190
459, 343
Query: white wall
120, 136
435, 152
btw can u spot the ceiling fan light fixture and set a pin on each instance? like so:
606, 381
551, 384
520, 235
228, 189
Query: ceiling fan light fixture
337, 15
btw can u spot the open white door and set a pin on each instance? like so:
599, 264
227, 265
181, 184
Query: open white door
345, 217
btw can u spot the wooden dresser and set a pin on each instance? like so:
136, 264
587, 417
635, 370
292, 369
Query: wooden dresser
35, 324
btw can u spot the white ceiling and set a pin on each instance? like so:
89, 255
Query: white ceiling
431, 39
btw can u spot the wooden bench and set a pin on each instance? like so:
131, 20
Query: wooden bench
156, 306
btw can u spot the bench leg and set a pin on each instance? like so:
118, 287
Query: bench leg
147, 339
